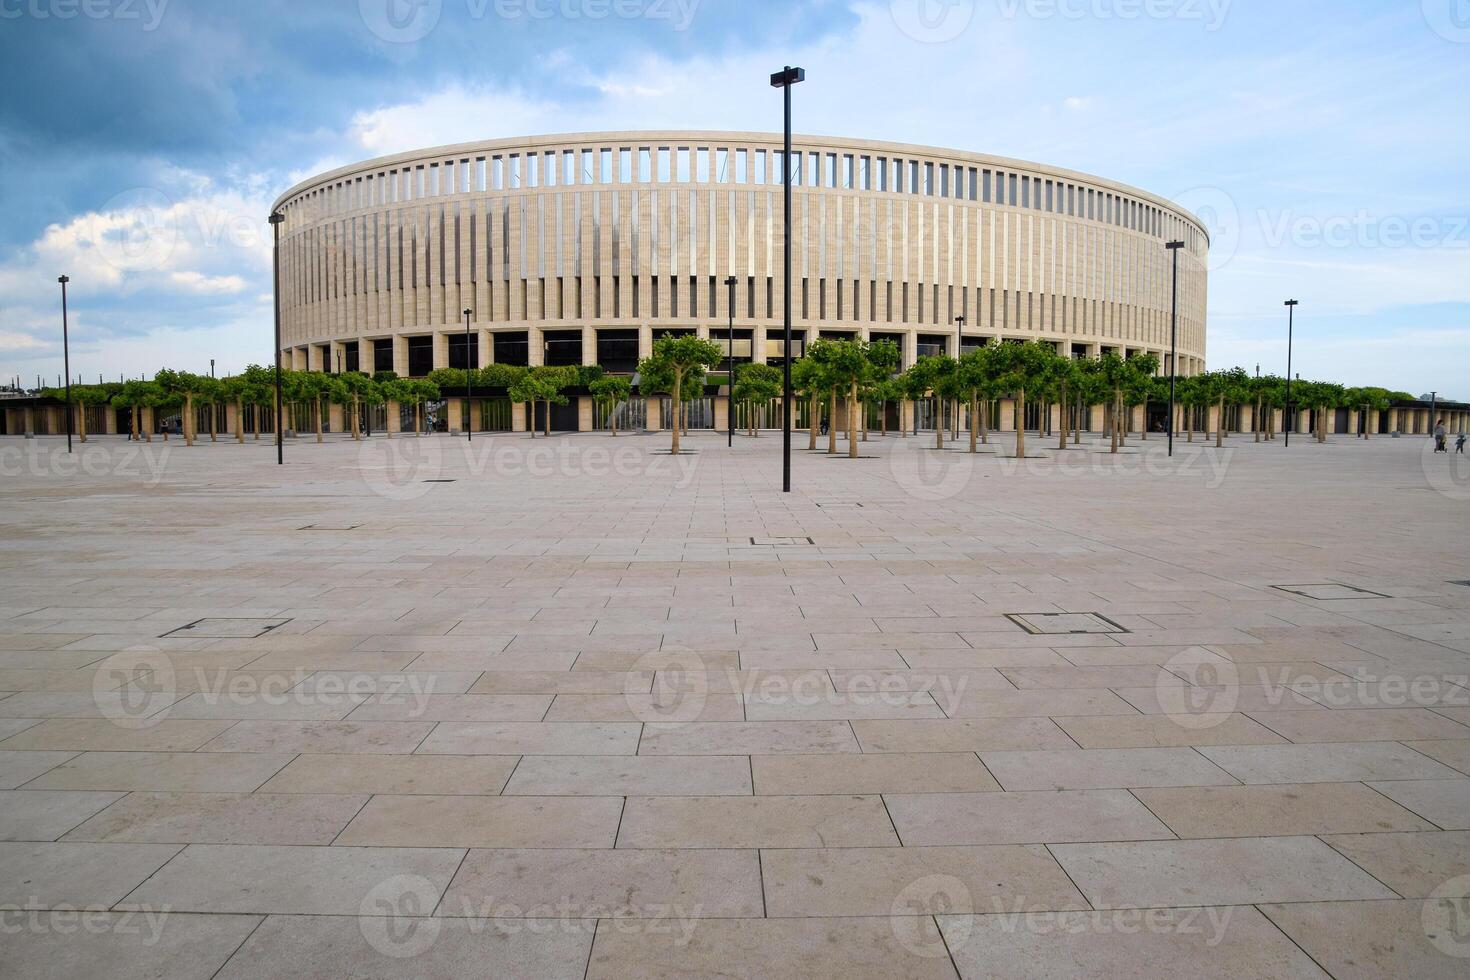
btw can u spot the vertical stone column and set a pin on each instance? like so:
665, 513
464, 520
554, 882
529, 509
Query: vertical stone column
589, 348
394, 422
655, 414
585, 419
518, 416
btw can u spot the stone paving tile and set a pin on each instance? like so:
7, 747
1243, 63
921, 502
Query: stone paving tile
544, 738
368, 737
1360, 725
844, 774
561, 682
1103, 769
222, 818
1446, 802
17, 768
593, 884
478, 821
1283, 810
399, 775
1454, 753
433, 949
571, 775
129, 945
835, 881
452, 707
87, 734
1037, 704
48, 876
820, 949
762, 821
934, 819
1326, 762
299, 880
44, 815
960, 735
1380, 939
1412, 864
1246, 871
747, 738
655, 707
1163, 731
180, 772
1228, 942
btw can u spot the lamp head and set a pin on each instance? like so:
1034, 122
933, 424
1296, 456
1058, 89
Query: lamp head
787, 77
1292, 302
63, 279
731, 281
469, 312
1173, 246
276, 218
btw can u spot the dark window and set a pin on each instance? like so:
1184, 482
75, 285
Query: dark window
459, 345
563, 347
617, 350
420, 356
382, 355
510, 348
349, 356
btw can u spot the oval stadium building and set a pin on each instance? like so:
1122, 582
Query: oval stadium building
582, 249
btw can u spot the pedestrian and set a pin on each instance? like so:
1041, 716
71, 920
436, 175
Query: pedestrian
1439, 434
1460, 444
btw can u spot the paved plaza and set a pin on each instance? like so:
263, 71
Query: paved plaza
578, 708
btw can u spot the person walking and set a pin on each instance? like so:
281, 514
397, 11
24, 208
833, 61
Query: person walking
1460, 444
1439, 434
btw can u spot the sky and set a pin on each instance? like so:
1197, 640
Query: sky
1324, 142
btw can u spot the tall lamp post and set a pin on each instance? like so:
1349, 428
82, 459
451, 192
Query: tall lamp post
1173, 247
1291, 306
783, 80
469, 382
275, 220
66, 358
730, 362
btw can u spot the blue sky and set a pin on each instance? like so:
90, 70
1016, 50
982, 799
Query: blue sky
142, 141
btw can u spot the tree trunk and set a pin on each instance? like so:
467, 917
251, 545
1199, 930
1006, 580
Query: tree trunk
1062, 416
985, 422
832, 422
883, 419
188, 420
1021, 423
147, 424
1077, 424
1256, 420
547, 427
852, 407
133, 414
938, 423
239, 421
316, 406
1220, 424
812, 421
678, 385
1113, 428
81, 410
974, 411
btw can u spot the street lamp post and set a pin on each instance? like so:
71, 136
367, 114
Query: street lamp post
469, 383
1173, 247
66, 358
1291, 306
275, 220
783, 80
730, 367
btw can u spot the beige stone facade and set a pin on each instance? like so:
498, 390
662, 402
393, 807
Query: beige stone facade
638, 232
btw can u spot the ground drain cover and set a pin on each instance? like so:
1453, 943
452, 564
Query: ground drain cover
1330, 590
1465, 583
330, 527
781, 541
836, 504
1064, 623
438, 481
228, 628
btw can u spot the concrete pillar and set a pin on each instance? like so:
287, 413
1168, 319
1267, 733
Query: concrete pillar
589, 348
758, 345
518, 416
394, 422
910, 348
1008, 415
1247, 418
110, 420
584, 412
655, 413
905, 416
454, 415
400, 359
1096, 418
645, 342
1137, 414
441, 350
722, 410
535, 347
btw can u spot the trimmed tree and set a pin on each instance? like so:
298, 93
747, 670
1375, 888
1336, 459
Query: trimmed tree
609, 392
1021, 367
755, 385
679, 363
